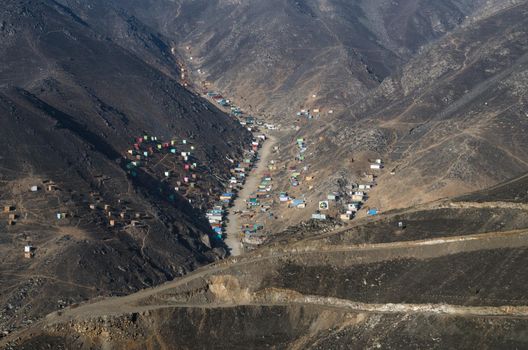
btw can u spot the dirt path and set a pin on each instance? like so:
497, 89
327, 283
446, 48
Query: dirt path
252, 181
439, 246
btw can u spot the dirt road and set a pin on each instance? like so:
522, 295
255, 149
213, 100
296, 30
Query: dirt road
143, 300
252, 181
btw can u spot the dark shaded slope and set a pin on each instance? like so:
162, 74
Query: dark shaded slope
274, 54
72, 101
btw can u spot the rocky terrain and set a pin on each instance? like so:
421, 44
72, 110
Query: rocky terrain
452, 276
276, 56
449, 121
74, 98
111, 153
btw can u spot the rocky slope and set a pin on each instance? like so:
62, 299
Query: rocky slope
452, 120
448, 278
276, 55
74, 98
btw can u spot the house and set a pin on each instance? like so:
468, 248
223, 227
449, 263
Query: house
283, 197
214, 218
346, 217
8, 208
298, 203
378, 161
353, 207
227, 197
253, 201
28, 251
318, 216
373, 212
332, 197
34, 188
375, 166
357, 198
369, 177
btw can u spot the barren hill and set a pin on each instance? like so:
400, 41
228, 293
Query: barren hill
456, 268
73, 102
275, 55
451, 120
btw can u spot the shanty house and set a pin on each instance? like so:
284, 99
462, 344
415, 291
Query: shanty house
298, 203
345, 217
317, 216
357, 197
373, 212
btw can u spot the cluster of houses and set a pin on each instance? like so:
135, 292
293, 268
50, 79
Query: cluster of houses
251, 123
117, 215
306, 113
376, 164
353, 200
262, 201
301, 145
219, 99
218, 213
291, 202
180, 169
10, 212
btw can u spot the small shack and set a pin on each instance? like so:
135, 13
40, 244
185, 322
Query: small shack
28, 251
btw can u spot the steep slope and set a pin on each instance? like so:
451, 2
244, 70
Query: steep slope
73, 101
275, 55
452, 120
447, 279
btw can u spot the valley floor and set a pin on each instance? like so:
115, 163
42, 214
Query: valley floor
233, 231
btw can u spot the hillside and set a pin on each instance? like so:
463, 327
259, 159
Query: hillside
450, 121
274, 56
409, 157
453, 276
73, 102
